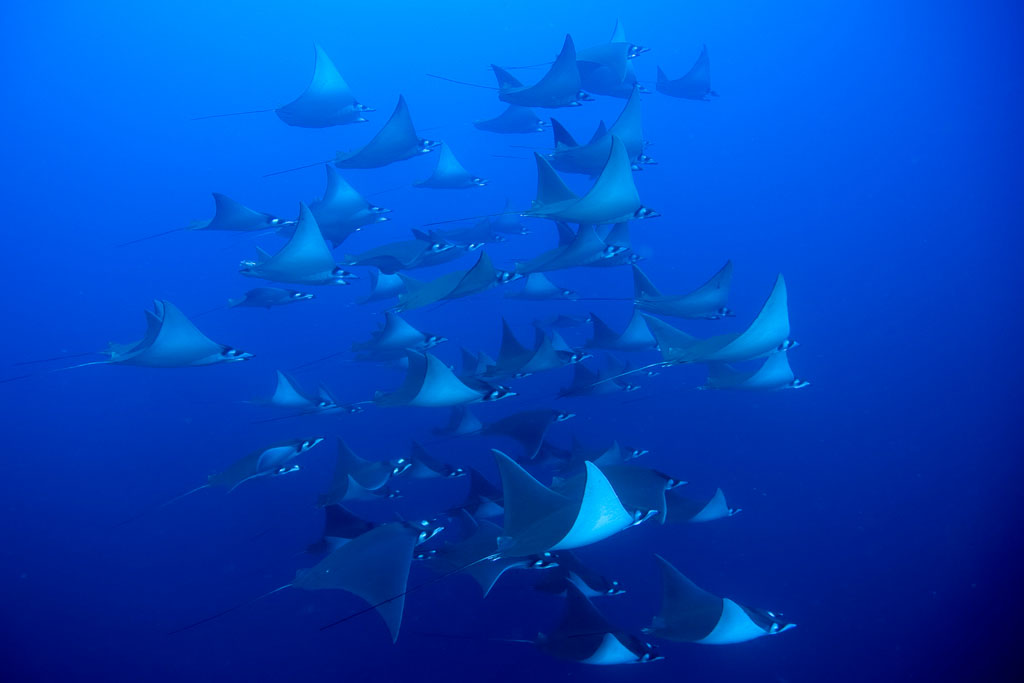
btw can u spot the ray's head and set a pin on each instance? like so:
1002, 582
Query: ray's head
307, 444
232, 355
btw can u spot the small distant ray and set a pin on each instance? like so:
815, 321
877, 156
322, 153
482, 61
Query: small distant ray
268, 297
539, 288
305, 259
559, 87
356, 479
613, 454
396, 141
636, 337
682, 508
707, 302
460, 422
471, 238
513, 120
420, 252
327, 100
430, 383
585, 248
692, 615
694, 85
453, 285
589, 159
422, 465
288, 394
394, 338
229, 216
570, 570
342, 211
449, 174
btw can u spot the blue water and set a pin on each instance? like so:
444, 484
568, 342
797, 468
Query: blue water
869, 152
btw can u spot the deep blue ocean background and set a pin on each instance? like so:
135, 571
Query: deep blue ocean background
869, 151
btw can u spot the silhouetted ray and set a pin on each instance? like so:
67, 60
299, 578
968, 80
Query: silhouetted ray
604, 456
681, 508
527, 428
586, 637
449, 174
774, 374
562, 321
606, 69
422, 465
340, 527
358, 479
707, 302
327, 100
636, 337
559, 87
305, 259
691, 614
513, 120
694, 85
569, 570
483, 499
268, 297
396, 141
430, 383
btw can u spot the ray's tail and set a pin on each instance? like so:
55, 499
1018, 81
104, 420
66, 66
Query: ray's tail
439, 577
234, 113
162, 505
148, 237
228, 610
